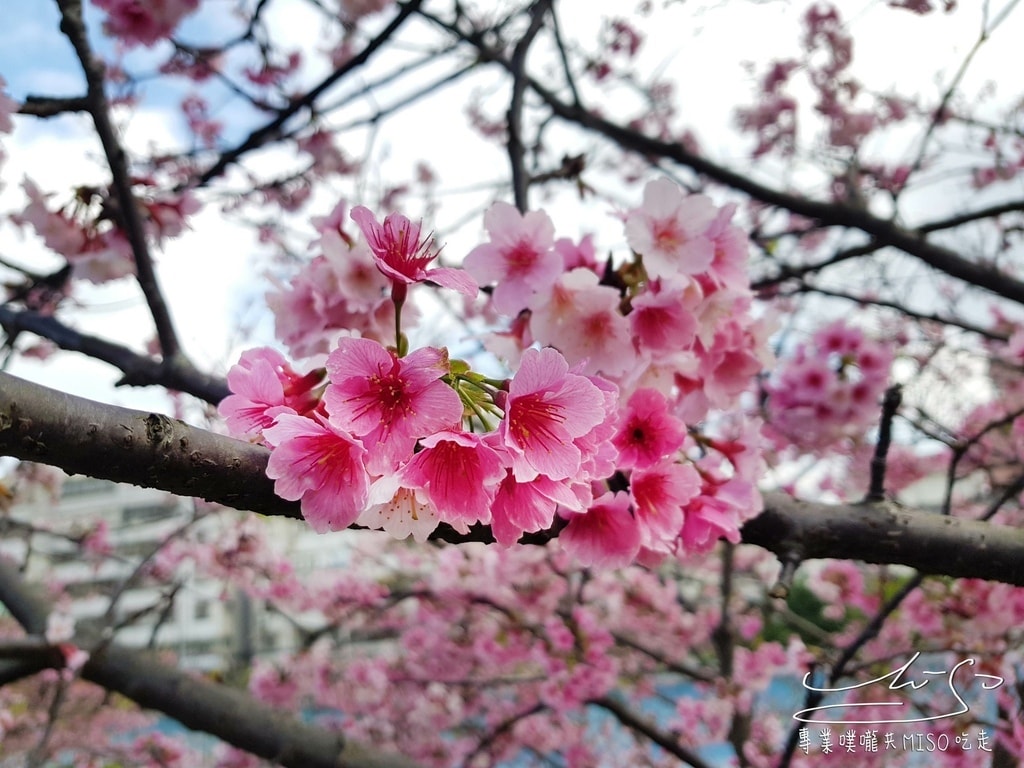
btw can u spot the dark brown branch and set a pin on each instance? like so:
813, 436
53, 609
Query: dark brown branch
226, 713
139, 370
790, 272
51, 106
929, 317
884, 232
124, 445
991, 212
155, 451
73, 27
885, 533
831, 214
629, 718
516, 150
879, 462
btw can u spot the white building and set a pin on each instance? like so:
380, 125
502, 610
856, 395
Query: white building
188, 613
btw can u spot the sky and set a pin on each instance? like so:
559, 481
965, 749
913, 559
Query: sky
212, 275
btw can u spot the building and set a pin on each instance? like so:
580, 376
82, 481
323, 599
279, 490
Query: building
208, 626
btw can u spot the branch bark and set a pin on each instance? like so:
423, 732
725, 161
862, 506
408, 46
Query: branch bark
156, 451
224, 712
73, 27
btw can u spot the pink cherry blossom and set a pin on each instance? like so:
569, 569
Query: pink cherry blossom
458, 473
519, 257
577, 254
648, 431
8, 107
358, 280
144, 23
526, 507
709, 517
659, 494
263, 385
59, 231
582, 320
548, 408
323, 466
605, 536
397, 511
663, 317
668, 231
403, 257
333, 295
388, 401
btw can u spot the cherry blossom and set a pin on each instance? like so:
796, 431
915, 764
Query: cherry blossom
660, 494
458, 473
402, 256
606, 535
526, 507
648, 431
669, 231
264, 385
138, 23
582, 319
519, 257
548, 408
8, 107
398, 511
321, 465
388, 401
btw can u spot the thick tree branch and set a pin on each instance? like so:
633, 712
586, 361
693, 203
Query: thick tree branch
228, 714
224, 712
155, 451
51, 106
934, 544
125, 445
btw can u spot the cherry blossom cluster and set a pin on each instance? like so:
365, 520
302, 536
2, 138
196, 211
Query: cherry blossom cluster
140, 23
88, 231
829, 389
610, 429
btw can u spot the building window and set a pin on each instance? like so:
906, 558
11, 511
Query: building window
84, 486
146, 513
203, 609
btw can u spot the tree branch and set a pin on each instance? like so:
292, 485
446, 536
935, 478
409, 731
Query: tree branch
516, 150
637, 724
226, 713
51, 106
882, 231
271, 130
125, 445
139, 370
73, 27
932, 543
155, 451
